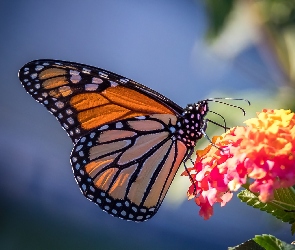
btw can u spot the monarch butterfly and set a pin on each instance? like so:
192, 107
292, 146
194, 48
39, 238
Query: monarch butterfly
129, 140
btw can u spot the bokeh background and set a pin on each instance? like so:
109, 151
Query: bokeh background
188, 51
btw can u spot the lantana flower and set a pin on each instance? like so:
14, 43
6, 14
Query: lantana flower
262, 153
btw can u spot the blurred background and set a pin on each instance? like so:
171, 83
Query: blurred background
187, 50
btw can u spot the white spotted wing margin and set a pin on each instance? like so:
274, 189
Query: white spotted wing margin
127, 167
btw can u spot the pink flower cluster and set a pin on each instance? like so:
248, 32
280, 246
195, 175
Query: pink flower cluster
261, 153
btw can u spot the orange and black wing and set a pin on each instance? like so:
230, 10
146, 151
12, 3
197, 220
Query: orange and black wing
126, 152
126, 167
83, 98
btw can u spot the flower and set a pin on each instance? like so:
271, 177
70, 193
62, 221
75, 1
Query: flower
261, 153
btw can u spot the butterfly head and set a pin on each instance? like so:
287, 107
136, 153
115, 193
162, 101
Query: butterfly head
191, 123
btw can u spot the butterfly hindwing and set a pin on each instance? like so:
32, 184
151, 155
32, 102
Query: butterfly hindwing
127, 167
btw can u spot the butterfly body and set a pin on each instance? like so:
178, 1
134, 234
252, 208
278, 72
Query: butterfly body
128, 139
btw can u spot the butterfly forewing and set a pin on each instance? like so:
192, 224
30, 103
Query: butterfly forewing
83, 98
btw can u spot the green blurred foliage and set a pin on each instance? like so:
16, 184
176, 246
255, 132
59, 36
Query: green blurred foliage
217, 12
275, 24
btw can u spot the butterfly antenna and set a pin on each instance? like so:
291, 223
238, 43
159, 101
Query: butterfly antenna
231, 105
217, 124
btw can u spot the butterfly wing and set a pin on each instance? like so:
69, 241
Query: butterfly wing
125, 154
83, 98
126, 167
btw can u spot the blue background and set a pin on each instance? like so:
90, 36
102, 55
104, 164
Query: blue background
157, 43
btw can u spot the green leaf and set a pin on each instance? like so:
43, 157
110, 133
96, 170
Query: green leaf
248, 245
270, 242
218, 12
282, 206
262, 242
